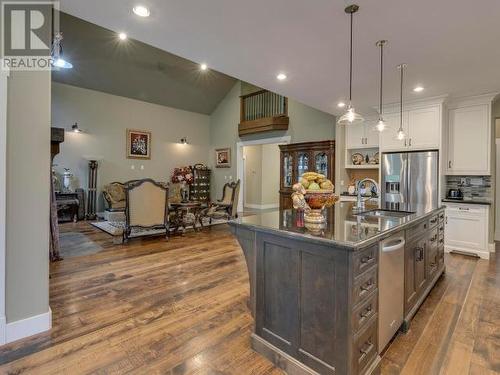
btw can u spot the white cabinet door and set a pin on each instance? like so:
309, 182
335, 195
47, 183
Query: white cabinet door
355, 136
467, 229
371, 135
424, 128
469, 140
388, 141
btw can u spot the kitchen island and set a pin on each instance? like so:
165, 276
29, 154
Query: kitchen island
314, 292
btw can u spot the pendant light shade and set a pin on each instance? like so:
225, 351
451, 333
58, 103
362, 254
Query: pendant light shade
350, 116
400, 135
381, 124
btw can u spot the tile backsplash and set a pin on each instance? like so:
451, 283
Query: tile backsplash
471, 186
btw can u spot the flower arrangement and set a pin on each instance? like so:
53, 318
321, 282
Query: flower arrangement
183, 174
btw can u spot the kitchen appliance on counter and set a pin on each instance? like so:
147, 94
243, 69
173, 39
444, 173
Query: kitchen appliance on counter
391, 287
410, 179
455, 194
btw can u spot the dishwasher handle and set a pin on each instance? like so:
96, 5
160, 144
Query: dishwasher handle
392, 244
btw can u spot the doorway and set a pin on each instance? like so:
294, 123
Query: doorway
258, 169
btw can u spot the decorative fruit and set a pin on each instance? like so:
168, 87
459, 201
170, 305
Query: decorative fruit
326, 185
314, 186
305, 182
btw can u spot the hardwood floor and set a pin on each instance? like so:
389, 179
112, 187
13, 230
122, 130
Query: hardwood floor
179, 307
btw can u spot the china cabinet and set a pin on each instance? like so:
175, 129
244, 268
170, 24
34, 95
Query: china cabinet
298, 158
199, 190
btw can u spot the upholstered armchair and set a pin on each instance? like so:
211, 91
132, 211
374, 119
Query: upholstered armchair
227, 206
114, 194
146, 206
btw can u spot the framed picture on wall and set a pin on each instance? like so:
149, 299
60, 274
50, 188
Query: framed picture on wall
223, 158
138, 144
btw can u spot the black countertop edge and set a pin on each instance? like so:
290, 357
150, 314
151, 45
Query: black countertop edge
350, 246
465, 201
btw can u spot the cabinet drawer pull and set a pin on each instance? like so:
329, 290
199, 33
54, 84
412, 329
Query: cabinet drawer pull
463, 208
367, 286
449, 164
441, 228
367, 348
434, 221
366, 313
366, 259
433, 239
441, 240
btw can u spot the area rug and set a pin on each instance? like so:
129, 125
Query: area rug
115, 228
73, 244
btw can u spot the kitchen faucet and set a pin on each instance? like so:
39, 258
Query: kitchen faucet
360, 203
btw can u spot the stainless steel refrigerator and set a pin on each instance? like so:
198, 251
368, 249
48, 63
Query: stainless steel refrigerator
410, 179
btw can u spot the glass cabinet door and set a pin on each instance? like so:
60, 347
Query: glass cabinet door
302, 164
321, 163
287, 170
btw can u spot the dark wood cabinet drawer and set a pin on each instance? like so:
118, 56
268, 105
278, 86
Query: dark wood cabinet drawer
364, 285
433, 220
433, 238
364, 312
417, 230
364, 259
365, 347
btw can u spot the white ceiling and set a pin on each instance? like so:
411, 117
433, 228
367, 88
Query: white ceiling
451, 46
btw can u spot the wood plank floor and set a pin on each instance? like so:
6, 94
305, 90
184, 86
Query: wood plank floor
179, 307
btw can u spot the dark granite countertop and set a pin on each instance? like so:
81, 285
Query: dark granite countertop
343, 228
468, 201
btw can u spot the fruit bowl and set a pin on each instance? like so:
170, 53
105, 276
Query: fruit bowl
319, 199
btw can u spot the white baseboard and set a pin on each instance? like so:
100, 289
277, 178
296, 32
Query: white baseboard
492, 247
3, 323
262, 206
28, 327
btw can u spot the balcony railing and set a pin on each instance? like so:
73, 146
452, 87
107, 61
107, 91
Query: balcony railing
263, 111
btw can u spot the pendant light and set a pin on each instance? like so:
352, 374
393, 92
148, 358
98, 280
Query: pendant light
350, 116
400, 135
381, 125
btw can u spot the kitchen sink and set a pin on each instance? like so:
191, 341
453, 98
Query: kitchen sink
385, 213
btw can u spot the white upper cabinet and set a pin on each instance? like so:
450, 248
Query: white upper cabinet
421, 125
361, 136
371, 136
469, 140
355, 136
424, 126
388, 140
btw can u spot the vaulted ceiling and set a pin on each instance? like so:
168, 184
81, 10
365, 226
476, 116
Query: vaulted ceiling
136, 70
451, 46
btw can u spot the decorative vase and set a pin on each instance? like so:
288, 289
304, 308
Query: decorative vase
67, 179
184, 192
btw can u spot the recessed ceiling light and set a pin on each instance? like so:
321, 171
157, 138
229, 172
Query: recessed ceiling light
122, 36
341, 104
281, 76
141, 11
203, 66
418, 89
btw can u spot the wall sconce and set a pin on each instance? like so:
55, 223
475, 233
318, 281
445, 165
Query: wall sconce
184, 141
75, 128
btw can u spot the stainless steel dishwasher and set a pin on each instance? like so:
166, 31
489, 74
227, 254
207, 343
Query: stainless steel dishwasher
391, 287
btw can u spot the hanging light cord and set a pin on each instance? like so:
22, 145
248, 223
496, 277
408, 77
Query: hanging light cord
381, 74
401, 98
350, 62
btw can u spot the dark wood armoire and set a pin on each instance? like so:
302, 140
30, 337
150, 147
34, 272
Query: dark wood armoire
298, 158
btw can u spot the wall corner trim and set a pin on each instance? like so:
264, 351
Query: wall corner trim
3, 323
28, 327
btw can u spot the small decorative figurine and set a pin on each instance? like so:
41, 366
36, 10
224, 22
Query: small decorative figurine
299, 202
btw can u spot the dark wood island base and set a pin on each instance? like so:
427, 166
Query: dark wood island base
315, 299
